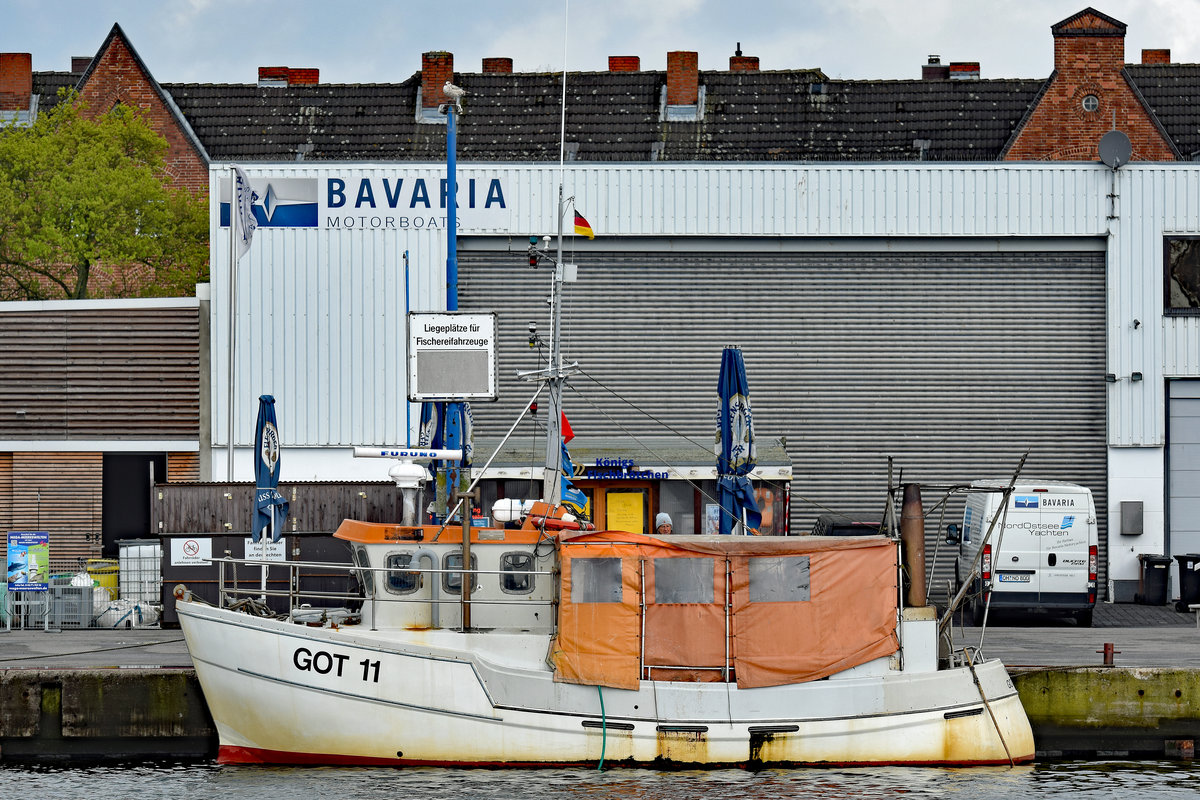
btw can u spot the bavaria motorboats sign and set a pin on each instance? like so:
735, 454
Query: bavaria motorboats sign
402, 201
451, 356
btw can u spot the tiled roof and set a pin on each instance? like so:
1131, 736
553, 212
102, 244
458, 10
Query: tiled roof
47, 84
1172, 92
615, 116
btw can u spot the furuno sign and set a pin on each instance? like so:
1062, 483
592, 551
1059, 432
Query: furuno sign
400, 202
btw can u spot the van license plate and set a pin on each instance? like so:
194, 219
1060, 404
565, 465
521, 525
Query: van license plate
1009, 577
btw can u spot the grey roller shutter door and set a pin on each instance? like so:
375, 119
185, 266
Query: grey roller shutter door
953, 363
1183, 463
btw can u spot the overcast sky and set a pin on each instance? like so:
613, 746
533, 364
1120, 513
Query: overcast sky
360, 41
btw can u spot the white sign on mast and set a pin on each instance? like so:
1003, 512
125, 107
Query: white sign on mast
451, 355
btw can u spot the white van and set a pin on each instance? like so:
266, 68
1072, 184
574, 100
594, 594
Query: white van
1043, 560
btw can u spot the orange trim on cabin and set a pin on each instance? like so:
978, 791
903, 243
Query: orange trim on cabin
352, 530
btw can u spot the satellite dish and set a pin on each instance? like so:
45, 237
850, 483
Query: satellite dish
1115, 149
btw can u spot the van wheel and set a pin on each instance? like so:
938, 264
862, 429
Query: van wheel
1084, 618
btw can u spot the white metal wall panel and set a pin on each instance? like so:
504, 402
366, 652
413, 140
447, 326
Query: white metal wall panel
954, 363
1181, 346
320, 324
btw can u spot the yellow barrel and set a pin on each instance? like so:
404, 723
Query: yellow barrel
104, 571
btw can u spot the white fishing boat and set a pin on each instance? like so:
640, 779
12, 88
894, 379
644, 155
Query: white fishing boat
590, 647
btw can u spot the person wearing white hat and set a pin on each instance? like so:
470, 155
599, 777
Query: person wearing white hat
662, 524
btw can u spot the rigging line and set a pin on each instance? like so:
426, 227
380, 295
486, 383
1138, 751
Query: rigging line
642, 411
702, 445
650, 450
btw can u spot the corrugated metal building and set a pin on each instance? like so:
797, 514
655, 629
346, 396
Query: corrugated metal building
949, 316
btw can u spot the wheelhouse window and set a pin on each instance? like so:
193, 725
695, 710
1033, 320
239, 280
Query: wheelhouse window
400, 578
595, 580
516, 573
779, 580
452, 581
683, 580
1181, 266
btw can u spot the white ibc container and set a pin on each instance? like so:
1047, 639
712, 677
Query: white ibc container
140, 569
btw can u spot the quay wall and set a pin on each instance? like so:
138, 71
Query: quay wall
97, 714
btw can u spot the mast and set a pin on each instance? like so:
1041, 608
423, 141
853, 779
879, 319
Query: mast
552, 477
555, 378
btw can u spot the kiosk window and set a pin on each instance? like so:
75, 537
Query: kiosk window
779, 580
683, 580
595, 580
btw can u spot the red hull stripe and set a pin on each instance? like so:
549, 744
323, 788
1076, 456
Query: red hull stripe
227, 754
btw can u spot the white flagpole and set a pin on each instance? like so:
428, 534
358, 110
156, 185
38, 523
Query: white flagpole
233, 215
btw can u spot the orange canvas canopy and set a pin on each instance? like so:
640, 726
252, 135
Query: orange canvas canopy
762, 610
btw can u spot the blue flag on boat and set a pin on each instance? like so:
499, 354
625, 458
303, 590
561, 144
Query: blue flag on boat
270, 507
572, 498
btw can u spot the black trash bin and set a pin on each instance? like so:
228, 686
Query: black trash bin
1152, 581
1189, 580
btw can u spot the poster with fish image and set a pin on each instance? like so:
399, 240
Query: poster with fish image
28, 561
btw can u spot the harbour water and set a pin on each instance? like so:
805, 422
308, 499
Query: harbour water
1145, 780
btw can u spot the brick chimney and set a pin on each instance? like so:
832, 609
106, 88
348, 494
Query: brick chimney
303, 76
16, 81
624, 64
272, 76
964, 70
436, 68
288, 76
501, 66
934, 69
1156, 56
80, 63
1089, 41
741, 63
683, 78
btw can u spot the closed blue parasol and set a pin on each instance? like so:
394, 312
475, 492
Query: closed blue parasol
449, 426
734, 445
270, 508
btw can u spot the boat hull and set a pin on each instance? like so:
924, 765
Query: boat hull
281, 693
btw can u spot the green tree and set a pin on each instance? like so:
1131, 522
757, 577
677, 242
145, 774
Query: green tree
86, 209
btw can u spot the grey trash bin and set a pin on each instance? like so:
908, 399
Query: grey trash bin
1152, 580
1189, 580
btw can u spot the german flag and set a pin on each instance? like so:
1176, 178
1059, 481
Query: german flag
582, 228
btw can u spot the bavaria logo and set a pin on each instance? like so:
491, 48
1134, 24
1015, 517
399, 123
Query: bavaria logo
1067, 522
282, 203
1029, 501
